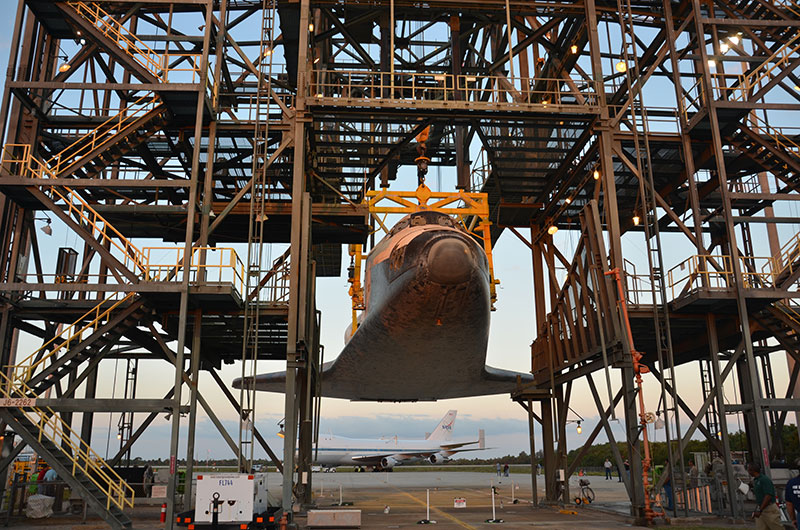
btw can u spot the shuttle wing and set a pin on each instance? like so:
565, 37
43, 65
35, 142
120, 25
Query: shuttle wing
345, 378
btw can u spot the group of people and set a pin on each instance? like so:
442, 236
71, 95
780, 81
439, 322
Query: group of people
608, 466
767, 515
39, 481
502, 469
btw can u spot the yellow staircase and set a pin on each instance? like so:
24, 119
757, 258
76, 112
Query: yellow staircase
159, 65
112, 139
74, 461
26, 370
17, 159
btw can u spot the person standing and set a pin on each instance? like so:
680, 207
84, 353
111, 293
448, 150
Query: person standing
792, 497
627, 468
49, 477
668, 485
498, 469
767, 515
607, 466
505, 470
693, 475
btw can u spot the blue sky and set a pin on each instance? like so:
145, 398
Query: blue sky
511, 333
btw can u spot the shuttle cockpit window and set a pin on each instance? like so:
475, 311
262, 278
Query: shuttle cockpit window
399, 226
422, 219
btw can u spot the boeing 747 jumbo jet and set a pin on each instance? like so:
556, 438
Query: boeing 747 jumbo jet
385, 453
425, 329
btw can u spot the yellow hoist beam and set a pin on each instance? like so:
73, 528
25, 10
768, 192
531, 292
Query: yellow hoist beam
471, 210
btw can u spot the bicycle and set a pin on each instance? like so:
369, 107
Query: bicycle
587, 494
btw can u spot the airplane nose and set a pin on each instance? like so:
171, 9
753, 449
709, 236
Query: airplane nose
449, 261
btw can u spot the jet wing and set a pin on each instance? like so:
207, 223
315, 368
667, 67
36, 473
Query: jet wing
399, 456
368, 459
447, 447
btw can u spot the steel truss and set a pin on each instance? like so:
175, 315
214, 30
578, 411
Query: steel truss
207, 124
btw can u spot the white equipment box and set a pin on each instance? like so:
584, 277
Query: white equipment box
234, 497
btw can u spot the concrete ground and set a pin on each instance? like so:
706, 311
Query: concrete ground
405, 493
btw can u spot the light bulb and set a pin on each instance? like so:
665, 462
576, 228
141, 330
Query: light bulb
580, 429
734, 39
712, 63
64, 68
574, 48
552, 230
724, 47
310, 26
596, 174
636, 220
568, 200
621, 67
267, 52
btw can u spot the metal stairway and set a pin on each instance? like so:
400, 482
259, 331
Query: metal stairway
787, 263
118, 136
83, 469
112, 35
65, 352
72, 206
767, 148
754, 9
782, 321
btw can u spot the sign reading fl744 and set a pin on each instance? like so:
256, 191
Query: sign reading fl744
17, 402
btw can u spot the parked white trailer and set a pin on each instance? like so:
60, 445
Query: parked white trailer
230, 500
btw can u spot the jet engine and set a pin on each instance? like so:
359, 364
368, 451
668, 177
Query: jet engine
387, 462
437, 458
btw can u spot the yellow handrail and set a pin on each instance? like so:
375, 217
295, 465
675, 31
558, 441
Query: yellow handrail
103, 133
781, 140
787, 255
155, 62
59, 433
790, 5
790, 310
745, 84
468, 89
25, 164
83, 211
698, 271
24, 369
170, 269
755, 276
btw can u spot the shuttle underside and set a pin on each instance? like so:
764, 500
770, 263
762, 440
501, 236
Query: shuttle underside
425, 331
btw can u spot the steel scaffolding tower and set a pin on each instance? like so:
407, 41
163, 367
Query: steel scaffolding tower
216, 127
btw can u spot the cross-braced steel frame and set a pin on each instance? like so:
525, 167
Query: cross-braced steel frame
216, 127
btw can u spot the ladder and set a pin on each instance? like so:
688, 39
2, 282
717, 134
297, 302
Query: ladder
255, 248
712, 414
661, 317
126, 420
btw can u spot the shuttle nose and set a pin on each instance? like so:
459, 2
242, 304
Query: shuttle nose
449, 261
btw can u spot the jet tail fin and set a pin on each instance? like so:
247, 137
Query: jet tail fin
444, 431
481, 439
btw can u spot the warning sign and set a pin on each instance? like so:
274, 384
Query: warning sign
459, 502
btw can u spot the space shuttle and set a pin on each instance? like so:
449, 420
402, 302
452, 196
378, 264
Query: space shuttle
424, 331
